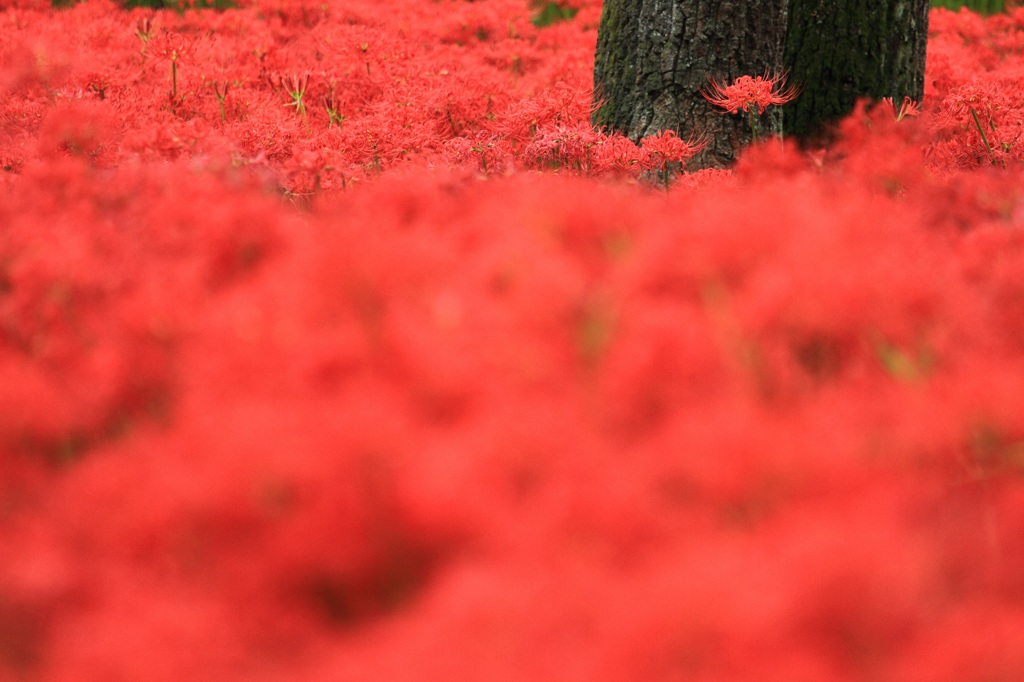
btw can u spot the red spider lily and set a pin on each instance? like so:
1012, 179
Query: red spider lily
332, 104
908, 108
172, 46
671, 147
666, 148
221, 90
296, 85
144, 30
747, 92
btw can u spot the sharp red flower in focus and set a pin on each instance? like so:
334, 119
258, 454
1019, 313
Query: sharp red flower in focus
667, 148
671, 148
748, 92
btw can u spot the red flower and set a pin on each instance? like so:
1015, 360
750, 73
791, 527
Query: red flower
669, 147
908, 108
174, 47
751, 91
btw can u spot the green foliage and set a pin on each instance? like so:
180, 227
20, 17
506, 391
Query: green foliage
548, 13
980, 6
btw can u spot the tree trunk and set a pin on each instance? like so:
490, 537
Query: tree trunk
655, 56
841, 51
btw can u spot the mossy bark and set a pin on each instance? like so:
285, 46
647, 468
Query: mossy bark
841, 51
654, 56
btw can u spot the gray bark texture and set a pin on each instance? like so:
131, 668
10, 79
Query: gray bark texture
655, 56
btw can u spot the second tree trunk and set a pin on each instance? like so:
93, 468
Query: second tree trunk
654, 57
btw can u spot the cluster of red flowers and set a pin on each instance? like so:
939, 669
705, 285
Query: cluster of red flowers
978, 108
314, 97
479, 408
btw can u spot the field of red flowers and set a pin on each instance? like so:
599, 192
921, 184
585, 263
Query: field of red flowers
336, 345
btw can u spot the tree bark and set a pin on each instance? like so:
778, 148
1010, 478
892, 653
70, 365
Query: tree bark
841, 51
654, 57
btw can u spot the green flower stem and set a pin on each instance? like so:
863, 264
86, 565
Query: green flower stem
984, 138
